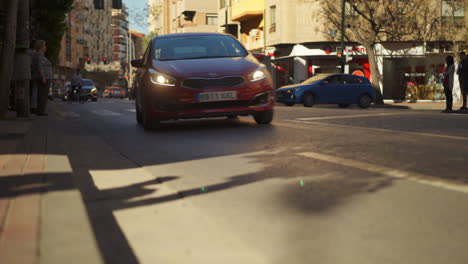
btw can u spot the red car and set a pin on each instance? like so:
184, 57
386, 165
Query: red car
114, 92
199, 75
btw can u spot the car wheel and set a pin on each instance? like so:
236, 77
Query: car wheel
148, 122
263, 117
308, 100
138, 113
343, 105
289, 104
94, 99
364, 101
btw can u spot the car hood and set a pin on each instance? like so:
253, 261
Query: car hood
291, 87
208, 67
87, 87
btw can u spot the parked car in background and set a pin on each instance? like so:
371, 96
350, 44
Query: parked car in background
200, 75
114, 92
341, 89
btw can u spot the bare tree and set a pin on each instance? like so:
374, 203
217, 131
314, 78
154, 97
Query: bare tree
370, 22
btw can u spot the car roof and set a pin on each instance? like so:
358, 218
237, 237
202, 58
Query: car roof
174, 35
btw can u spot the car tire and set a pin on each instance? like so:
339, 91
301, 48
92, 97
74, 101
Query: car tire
94, 99
263, 117
148, 122
138, 113
308, 100
364, 101
343, 105
289, 104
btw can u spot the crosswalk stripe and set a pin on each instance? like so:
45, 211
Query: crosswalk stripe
67, 114
105, 112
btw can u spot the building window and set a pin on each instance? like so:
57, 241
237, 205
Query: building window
222, 3
211, 19
453, 13
453, 8
273, 18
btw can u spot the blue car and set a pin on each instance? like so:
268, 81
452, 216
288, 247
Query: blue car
341, 89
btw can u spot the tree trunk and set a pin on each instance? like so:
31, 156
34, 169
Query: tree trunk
375, 74
22, 69
7, 54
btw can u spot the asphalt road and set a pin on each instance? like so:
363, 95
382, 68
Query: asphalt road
319, 185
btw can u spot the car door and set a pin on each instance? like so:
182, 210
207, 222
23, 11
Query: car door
350, 89
330, 90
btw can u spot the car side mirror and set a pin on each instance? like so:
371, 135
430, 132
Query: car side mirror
137, 63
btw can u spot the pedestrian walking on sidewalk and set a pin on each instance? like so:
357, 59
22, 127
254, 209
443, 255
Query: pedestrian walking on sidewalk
41, 69
448, 83
462, 72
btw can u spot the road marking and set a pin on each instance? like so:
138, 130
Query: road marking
105, 112
390, 172
349, 116
368, 128
131, 110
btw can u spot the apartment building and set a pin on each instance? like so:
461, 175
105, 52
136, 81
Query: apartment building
250, 16
120, 35
301, 44
88, 34
137, 40
174, 16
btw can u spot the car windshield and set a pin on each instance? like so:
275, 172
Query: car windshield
87, 83
197, 47
316, 78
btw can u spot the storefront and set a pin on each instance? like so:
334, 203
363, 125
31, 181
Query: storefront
414, 78
302, 61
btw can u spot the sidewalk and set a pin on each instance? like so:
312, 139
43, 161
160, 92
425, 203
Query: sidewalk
424, 105
19, 214
42, 213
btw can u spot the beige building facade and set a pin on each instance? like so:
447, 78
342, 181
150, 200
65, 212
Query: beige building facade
88, 34
174, 16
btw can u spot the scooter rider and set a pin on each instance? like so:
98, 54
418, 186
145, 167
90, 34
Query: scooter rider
76, 83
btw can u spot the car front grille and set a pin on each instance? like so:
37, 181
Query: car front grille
202, 83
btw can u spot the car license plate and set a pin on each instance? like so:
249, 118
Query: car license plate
217, 96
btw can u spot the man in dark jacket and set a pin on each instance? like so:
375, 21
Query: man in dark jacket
462, 72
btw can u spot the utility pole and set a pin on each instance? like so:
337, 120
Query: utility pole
22, 65
343, 6
7, 53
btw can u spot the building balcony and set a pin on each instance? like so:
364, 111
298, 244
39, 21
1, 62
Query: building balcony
242, 10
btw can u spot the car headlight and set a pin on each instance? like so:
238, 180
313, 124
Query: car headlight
161, 79
259, 74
